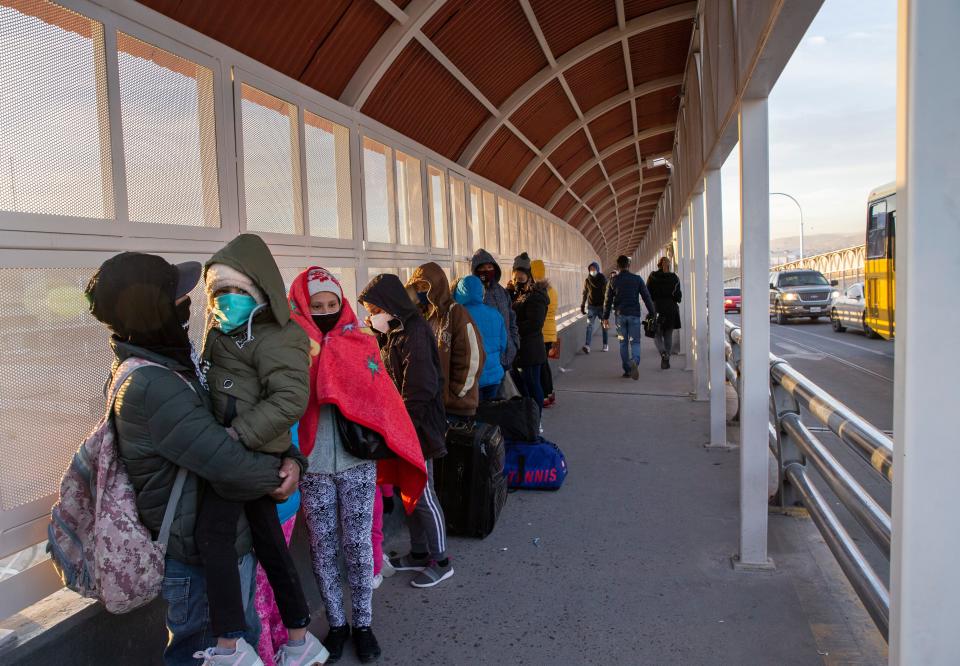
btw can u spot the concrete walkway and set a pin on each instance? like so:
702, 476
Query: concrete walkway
629, 563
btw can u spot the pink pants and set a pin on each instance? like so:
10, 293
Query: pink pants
273, 635
377, 533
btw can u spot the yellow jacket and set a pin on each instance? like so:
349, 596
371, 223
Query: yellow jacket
539, 272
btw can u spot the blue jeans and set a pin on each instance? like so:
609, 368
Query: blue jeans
593, 314
188, 618
529, 384
630, 331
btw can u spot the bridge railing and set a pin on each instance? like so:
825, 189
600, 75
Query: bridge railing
844, 265
798, 451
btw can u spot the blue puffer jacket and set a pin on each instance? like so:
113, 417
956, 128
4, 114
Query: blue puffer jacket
469, 294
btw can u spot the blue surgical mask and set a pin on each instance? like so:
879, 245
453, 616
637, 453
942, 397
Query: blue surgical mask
233, 311
422, 297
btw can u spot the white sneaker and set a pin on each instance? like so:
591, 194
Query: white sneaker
606, 348
310, 653
387, 569
244, 655
377, 581
585, 349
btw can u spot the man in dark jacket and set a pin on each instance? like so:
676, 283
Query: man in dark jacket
623, 297
485, 267
664, 287
164, 422
594, 291
409, 352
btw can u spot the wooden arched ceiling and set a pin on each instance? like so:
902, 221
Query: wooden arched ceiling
562, 101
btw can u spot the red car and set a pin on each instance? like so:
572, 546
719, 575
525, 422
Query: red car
731, 300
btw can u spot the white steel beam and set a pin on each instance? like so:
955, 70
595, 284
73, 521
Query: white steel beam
717, 353
755, 328
689, 331
613, 178
925, 579
699, 300
683, 273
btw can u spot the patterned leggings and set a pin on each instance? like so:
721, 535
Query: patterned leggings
350, 494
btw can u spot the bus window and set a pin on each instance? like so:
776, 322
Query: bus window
877, 231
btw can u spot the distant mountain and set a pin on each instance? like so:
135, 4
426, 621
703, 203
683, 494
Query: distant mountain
813, 244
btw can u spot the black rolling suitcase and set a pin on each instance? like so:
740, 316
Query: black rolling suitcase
469, 480
518, 418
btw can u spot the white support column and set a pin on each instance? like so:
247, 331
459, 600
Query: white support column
718, 393
699, 301
755, 326
925, 579
687, 332
685, 288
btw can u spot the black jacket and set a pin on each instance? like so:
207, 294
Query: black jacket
409, 353
531, 308
163, 424
623, 296
665, 291
594, 289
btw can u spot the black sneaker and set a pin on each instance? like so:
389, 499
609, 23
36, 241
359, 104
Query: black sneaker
366, 645
334, 642
634, 370
625, 375
664, 362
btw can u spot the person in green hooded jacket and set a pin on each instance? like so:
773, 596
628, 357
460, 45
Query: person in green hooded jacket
255, 362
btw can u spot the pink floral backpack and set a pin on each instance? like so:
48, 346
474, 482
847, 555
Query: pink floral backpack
96, 540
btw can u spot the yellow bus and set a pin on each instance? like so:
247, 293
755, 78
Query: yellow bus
880, 263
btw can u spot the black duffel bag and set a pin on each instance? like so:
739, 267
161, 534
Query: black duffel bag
518, 418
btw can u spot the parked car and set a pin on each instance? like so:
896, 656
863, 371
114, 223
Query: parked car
731, 299
848, 311
796, 294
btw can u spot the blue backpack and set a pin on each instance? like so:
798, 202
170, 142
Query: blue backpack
537, 465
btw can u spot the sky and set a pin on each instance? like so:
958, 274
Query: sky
832, 123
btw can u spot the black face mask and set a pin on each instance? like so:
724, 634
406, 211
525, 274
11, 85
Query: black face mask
183, 313
326, 322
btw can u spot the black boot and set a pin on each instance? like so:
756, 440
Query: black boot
335, 640
664, 361
365, 644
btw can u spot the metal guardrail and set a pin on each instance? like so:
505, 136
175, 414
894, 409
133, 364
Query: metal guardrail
797, 448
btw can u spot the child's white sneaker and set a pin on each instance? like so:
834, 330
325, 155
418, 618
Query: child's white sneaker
244, 655
377, 581
310, 653
387, 569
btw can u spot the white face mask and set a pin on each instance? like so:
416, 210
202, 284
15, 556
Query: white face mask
381, 321
593, 273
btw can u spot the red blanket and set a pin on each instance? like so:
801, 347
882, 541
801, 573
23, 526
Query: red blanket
346, 371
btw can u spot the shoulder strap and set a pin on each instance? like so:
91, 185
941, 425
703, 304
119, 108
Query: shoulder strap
171, 509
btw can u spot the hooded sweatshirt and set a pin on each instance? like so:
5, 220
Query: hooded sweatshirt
257, 375
409, 353
461, 352
493, 332
539, 271
497, 297
594, 288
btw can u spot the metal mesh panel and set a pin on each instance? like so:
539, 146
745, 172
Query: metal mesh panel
378, 192
328, 177
271, 163
462, 224
54, 119
490, 237
409, 200
169, 136
438, 205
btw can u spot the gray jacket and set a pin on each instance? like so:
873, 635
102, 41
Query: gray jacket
497, 297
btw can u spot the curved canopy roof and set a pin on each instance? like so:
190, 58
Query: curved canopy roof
566, 102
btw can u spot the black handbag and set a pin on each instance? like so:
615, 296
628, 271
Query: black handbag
362, 442
650, 326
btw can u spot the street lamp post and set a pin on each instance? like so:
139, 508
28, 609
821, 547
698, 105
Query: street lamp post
784, 194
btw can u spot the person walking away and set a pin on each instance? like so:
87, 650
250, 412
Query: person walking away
594, 290
348, 383
164, 423
410, 355
255, 361
624, 293
461, 351
485, 267
539, 271
530, 302
664, 287
493, 333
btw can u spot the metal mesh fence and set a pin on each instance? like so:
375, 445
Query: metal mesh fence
409, 200
438, 206
328, 177
378, 192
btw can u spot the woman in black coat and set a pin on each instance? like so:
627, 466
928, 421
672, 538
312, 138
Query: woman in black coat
530, 303
665, 291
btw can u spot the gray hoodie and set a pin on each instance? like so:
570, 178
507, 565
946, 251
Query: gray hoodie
497, 297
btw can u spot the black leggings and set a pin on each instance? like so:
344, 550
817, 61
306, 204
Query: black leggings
546, 376
216, 535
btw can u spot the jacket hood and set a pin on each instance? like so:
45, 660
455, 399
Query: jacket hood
248, 254
469, 291
439, 292
387, 292
594, 265
538, 269
481, 257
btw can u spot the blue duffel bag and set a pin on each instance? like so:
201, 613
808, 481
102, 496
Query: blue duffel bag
537, 465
